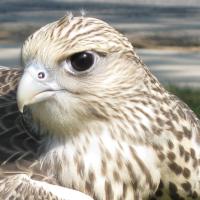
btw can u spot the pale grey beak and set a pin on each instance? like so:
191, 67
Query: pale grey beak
31, 90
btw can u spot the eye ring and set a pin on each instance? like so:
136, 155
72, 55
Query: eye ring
82, 61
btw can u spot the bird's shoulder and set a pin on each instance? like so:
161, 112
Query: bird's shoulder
9, 78
16, 140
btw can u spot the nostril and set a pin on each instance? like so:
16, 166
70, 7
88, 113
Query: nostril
41, 75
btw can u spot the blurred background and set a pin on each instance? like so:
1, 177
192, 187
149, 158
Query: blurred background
166, 34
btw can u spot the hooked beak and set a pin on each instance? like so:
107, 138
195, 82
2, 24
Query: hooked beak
31, 91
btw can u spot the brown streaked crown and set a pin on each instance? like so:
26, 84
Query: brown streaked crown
58, 40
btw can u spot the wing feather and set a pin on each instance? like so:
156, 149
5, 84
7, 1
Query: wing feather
22, 187
15, 139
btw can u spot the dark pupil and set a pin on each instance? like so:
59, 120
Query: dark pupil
41, 75
82, 61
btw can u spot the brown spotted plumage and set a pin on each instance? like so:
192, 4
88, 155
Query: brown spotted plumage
19, 148
107, 127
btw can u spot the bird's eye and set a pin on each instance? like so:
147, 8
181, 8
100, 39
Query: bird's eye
82, 61
41, 75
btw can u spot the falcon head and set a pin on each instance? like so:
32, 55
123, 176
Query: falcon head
77, 70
